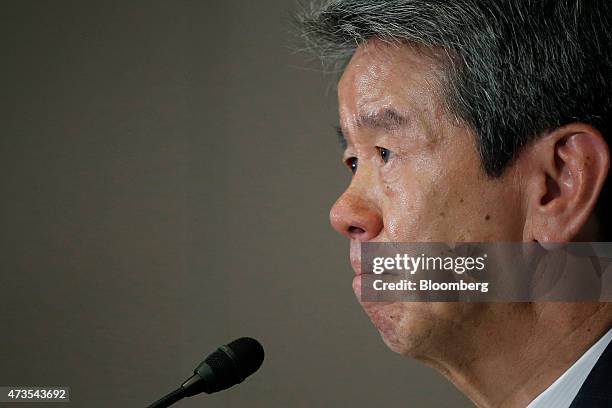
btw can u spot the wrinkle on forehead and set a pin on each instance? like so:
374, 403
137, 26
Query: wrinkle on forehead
384, 76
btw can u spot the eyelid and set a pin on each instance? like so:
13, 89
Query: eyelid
341, 138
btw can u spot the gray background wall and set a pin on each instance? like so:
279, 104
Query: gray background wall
167, 170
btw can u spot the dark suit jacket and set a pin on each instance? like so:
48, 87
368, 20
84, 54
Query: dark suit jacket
596, 392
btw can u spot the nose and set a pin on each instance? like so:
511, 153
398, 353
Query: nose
356, 217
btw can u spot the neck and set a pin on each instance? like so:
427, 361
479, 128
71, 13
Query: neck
515, 351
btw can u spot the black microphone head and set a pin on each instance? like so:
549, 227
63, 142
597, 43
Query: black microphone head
228, 365
249, 354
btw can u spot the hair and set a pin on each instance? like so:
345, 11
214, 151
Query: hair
514, 69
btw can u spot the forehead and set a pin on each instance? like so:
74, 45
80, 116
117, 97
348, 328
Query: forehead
381, 75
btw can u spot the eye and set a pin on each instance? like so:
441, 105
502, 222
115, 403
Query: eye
351, 162
384, 154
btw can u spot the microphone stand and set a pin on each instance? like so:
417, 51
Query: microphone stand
169, 399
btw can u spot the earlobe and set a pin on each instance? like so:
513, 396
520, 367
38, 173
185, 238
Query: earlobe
568, 170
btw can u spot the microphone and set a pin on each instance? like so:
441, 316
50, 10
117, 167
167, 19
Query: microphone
227, 366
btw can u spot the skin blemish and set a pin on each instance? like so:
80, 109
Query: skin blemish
487, 217
389, 192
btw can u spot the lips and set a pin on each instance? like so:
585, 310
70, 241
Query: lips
355, 256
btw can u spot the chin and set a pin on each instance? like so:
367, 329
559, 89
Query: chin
405, 327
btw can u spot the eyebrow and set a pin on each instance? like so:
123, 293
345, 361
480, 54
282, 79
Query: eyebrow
387, 119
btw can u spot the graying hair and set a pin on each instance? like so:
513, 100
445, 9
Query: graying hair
515, 68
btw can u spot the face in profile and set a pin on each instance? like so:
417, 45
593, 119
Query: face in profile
417, 177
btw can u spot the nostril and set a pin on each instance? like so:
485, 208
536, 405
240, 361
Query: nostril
355, 230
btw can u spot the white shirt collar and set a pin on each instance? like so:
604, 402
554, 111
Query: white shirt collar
563, 391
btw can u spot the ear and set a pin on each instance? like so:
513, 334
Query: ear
566, 172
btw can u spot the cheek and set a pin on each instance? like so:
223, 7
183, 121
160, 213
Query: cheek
411, 202
482, 211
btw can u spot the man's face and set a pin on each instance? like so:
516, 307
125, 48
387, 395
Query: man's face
417, 178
